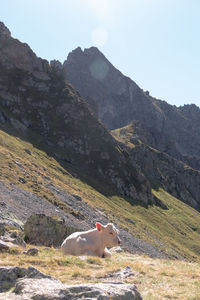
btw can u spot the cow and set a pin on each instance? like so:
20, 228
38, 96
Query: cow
92, 242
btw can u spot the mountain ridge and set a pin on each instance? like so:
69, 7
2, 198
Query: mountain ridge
69, 129
124, 101
118, 101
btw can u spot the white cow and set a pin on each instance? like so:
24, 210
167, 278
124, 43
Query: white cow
92, 242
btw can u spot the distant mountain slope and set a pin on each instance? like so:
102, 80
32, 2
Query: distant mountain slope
117, 101
161, 169
37, 104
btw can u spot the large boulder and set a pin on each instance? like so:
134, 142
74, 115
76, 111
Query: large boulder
9, 276
40, 229
32, 284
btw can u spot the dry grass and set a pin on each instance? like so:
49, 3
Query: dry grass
154, 278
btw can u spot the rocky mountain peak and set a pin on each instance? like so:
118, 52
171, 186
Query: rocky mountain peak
35, 98
87, 52
91, 61
4, 30
15, 54
93, 52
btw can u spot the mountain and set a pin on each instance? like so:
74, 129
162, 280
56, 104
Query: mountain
57, 159
163, 140
117, 101
38, 105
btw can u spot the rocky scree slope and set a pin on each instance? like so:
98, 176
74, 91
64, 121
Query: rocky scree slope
117, 100
38, 105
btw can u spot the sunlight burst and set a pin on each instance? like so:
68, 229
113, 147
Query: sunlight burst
99, 37
102, 9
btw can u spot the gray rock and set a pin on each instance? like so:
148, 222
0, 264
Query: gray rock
27, 151
9, 276
2, 229
116, 249
13, 238
31, 251
3, 118
8, 218
48, 231
121, 275
18, 125
77, 197
51, 289
5, 245
22, 180
56, 65
4, 30
33, 284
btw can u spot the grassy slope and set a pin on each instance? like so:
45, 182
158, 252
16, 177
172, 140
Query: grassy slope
155, 279
175, 231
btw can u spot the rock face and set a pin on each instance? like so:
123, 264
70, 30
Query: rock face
14, 54
164, 139
117, 100
48, 231
161, 169
32, 284
37, 104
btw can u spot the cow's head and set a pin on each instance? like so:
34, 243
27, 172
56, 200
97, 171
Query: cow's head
109, 234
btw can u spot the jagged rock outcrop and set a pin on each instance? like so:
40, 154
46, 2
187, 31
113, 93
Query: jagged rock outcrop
37, 104
118, 101
33, 284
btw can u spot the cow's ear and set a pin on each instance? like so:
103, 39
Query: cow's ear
99, 226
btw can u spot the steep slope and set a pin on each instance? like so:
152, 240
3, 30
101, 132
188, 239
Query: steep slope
161, 169
36, 104
31, 181
117, 100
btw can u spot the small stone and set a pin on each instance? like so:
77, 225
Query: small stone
22, 180
5, 245
31, 252
77, 197
116, 249
27, 151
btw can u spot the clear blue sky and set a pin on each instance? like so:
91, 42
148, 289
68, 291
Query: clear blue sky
155, 42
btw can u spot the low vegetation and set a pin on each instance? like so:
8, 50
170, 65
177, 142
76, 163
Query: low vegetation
154, 278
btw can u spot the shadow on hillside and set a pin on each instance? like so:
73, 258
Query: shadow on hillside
89, 177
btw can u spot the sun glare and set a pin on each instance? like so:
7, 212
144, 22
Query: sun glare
102, 9
99, 36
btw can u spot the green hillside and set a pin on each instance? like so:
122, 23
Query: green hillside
175, 231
